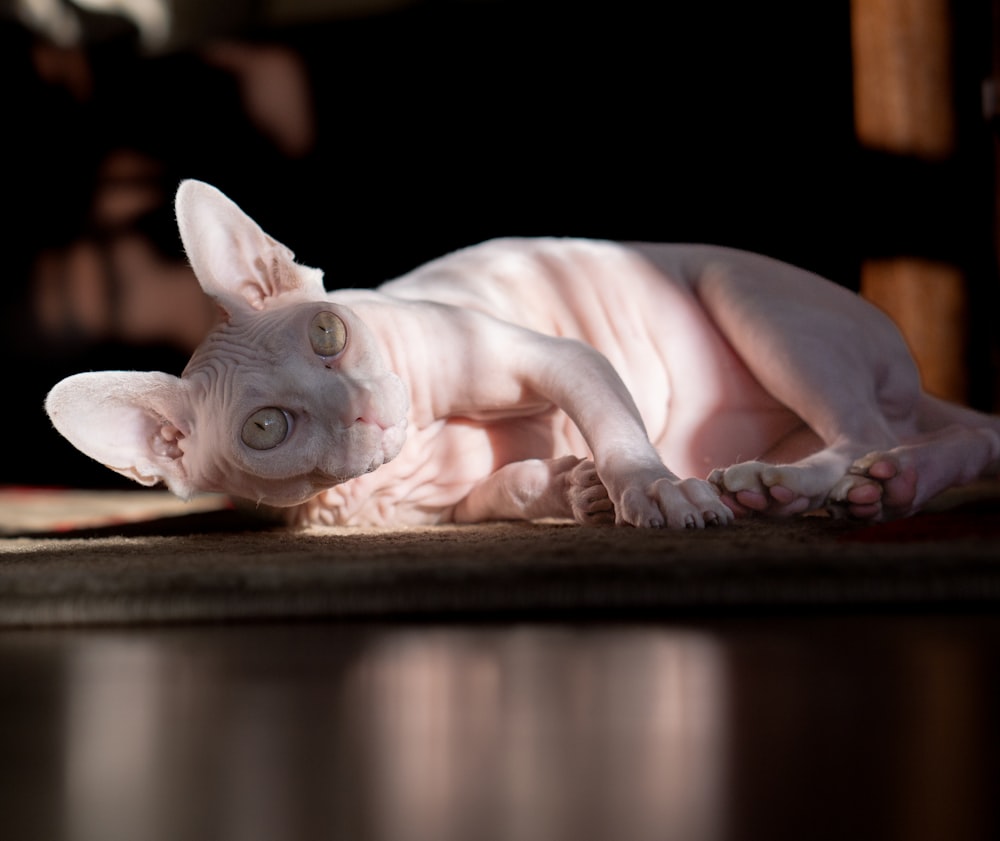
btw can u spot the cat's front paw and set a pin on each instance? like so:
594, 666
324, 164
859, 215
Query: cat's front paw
669, 502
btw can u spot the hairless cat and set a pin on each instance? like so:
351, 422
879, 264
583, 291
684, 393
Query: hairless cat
674, 386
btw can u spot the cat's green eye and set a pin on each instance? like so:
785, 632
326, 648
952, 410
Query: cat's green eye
265, 428
327, 334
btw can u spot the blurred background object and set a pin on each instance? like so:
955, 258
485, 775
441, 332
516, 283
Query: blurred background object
372, 135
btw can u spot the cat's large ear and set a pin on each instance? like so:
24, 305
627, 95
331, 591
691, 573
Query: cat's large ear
234, 260
130, 421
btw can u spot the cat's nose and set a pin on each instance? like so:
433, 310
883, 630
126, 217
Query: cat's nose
371, 417
379, 401
360, 407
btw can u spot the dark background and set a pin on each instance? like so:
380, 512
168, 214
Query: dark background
441, 124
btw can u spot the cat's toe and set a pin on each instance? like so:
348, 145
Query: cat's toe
588, 498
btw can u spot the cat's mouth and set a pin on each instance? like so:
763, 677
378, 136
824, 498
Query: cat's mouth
390, 443
379, 446
393, 438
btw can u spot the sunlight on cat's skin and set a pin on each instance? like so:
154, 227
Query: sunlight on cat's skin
647, 385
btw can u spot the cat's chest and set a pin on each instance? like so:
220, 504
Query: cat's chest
436, 468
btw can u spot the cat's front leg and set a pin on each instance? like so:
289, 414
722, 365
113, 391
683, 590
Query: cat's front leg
644, 492
562, 488
509, 368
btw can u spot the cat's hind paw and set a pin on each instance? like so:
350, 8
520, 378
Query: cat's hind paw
877, 487
755, 487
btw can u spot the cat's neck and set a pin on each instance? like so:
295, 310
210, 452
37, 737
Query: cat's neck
400, 331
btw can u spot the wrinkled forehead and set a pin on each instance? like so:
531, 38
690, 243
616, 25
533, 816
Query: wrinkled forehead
245, 333
248, 337
229, 365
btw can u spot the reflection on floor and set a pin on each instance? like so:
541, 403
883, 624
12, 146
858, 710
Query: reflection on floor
859, 727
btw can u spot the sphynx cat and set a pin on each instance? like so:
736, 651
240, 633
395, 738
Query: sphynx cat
530, 378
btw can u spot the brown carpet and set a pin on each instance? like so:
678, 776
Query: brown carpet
157, 564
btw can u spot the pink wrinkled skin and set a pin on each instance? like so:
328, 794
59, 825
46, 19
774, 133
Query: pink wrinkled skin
647, 385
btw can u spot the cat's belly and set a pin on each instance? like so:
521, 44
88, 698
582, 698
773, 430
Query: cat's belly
638, 305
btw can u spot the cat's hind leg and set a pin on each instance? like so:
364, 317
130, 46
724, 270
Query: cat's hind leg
534, 489
838, 363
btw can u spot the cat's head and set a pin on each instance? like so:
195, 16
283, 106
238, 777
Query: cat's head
287, 396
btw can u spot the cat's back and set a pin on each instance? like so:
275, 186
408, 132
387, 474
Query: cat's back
560, 286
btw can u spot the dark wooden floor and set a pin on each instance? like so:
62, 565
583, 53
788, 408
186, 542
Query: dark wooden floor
799, 728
